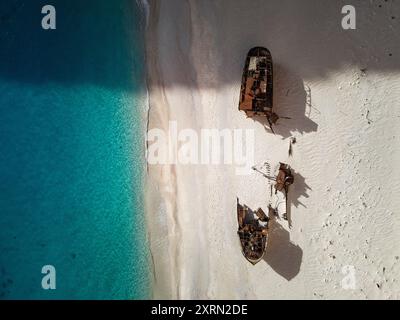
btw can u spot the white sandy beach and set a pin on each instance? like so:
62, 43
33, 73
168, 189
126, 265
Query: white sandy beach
341, 89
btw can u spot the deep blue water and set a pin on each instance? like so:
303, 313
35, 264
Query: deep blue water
72, 104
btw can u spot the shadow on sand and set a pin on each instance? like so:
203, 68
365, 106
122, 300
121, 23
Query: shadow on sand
299, 189
283, 256
292, 100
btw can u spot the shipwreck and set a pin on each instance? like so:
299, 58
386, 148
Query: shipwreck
253, 232
283, 179
256, 94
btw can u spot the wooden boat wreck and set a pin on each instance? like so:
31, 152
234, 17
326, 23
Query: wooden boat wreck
256, 94
284, 178
253, 232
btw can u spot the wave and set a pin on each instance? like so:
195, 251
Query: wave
145, 9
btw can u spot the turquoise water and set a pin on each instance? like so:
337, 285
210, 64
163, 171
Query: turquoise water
72, 104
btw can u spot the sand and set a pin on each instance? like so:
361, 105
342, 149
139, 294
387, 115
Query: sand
341, 90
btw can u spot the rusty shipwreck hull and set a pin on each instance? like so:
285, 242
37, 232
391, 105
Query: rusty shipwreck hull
256, 94
252, 232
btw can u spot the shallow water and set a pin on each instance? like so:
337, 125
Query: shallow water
72, 104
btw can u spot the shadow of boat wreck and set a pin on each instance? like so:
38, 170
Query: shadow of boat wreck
290, 100
282, 255
299, 189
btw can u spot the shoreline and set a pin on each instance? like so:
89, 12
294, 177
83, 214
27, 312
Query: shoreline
155, 200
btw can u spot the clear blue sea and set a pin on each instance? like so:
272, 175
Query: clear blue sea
72, 104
